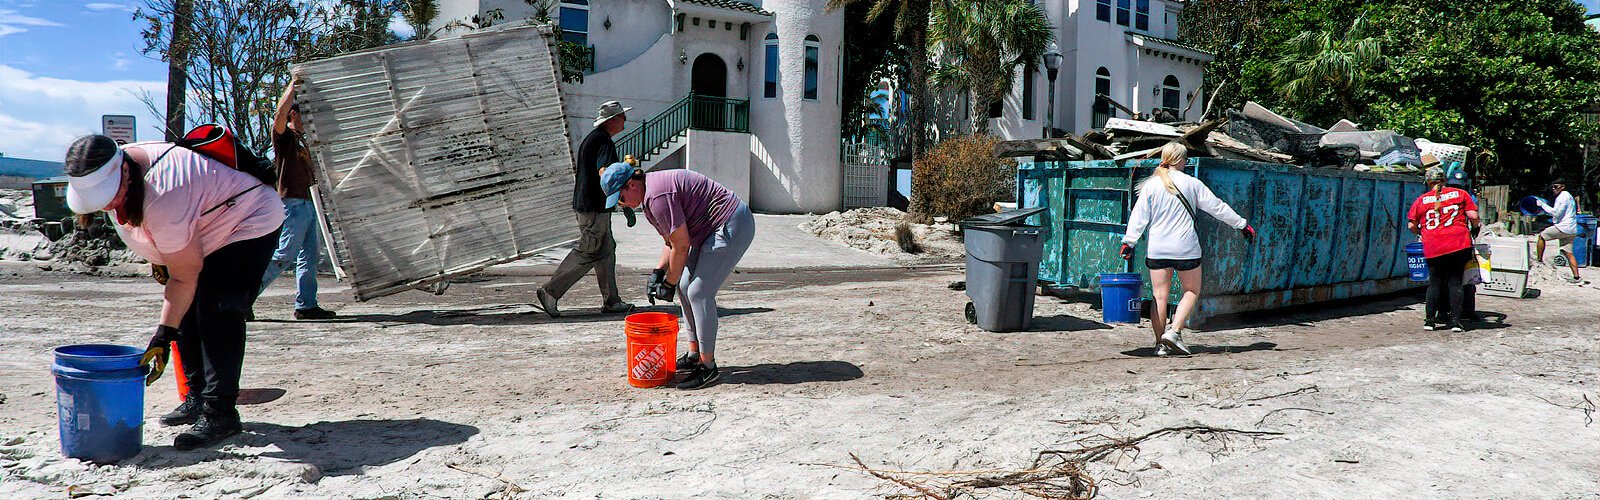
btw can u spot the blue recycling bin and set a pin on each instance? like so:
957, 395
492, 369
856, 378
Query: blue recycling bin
1583, 246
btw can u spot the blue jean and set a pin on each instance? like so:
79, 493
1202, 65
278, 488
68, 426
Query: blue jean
297, 243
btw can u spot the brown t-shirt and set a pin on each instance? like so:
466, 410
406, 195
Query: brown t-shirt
293, 162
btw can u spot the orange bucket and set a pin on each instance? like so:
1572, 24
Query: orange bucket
177, 369
652, 348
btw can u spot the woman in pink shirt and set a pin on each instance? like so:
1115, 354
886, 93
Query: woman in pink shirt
214, 228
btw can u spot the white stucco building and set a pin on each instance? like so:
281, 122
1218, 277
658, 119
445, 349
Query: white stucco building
768, 124
1124, 49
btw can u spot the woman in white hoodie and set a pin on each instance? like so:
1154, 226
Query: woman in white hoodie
1166, 207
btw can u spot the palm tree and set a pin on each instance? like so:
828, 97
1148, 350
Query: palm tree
419, 14
981, 43
911, 28
1318, 61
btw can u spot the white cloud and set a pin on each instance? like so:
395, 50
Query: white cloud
13, 22
102, 7
120, 61
40, 115
398, 26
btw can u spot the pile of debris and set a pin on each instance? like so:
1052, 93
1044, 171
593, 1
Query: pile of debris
876, 230
1253, 133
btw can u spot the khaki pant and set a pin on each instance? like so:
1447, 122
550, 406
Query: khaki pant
596, 250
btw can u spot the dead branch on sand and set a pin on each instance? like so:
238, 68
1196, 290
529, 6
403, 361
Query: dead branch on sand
510, 489
1054, 473
1587, 407
1270, 413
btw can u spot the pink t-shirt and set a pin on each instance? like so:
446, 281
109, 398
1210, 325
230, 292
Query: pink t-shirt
185, 184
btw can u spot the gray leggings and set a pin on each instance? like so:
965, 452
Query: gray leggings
710, 263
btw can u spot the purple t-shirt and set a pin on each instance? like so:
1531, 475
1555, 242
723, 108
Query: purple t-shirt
679, 198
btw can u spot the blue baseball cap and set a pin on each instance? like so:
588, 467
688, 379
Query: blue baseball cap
612, 180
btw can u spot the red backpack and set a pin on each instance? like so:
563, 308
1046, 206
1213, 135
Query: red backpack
218, 143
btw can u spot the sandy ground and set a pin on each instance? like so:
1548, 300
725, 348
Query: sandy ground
472, 394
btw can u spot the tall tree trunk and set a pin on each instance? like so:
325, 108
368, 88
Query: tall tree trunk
178, 67
917, 48
978, 112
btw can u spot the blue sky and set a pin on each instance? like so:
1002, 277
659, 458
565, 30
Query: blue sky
63, 63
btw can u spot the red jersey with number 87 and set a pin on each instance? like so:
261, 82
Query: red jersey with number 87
1442, 217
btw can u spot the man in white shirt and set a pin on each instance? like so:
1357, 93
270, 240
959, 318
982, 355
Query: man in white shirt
1563, 228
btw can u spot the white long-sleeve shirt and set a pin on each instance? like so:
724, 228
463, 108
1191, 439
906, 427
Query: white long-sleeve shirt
1564, 214
1172, 230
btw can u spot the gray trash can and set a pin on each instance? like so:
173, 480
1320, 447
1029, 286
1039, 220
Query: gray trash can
1003, 255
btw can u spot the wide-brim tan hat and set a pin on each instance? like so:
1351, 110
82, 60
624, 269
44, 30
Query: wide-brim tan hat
608, 111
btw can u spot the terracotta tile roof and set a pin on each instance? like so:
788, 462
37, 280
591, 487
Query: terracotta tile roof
731, 5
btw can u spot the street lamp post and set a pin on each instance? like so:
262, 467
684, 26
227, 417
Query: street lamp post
1052, 66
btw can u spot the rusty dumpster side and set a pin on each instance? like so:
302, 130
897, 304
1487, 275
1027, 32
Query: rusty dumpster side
1322, 234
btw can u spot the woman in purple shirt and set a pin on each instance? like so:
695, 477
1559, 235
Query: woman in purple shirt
707, 230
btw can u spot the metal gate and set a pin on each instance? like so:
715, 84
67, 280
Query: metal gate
866, 175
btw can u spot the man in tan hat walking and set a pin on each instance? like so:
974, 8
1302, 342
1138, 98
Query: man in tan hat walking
597, 249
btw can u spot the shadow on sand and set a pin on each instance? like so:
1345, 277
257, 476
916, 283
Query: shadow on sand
339, 448
800, 372
1150, 352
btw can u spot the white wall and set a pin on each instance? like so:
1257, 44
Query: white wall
636, 25
1087, 44
722, 156
796, 152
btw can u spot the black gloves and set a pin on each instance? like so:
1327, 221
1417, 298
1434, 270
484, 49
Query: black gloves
627, 213
1127, 252
1249, 232
667, 292
157, 353
653, 286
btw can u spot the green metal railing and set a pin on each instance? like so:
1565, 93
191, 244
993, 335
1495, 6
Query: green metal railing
698, 112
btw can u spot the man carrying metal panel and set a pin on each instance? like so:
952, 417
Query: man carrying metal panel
298, 242
597, 249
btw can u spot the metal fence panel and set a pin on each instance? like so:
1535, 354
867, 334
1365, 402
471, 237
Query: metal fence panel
439, 158
866, 176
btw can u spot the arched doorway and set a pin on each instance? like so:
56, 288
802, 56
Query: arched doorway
709, 79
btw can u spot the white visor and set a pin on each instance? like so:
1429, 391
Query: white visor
91, 193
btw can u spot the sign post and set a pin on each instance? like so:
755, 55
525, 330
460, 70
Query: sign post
119, 127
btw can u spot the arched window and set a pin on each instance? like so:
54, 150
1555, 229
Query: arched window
769, 89
1170, 95
813, 57
1102, 90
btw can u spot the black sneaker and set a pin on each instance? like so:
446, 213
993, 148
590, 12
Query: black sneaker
212, 428
699, 378
1427, 326
314, 313
616, 308
1457, 328
186, 413
688, 361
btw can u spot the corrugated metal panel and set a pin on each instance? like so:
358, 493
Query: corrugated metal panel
440, 158
1321, 234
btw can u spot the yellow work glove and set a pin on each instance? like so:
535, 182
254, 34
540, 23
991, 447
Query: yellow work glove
155, 356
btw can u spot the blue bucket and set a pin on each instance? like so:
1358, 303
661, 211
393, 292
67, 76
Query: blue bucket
1119, 297
1583, 245
100, 401
1530, 206
1416, 263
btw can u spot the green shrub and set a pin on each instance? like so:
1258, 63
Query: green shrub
960, 178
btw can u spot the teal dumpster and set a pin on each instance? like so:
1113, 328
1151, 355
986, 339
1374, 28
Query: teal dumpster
1322, 234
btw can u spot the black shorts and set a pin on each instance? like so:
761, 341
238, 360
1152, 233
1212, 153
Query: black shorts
1179, 264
